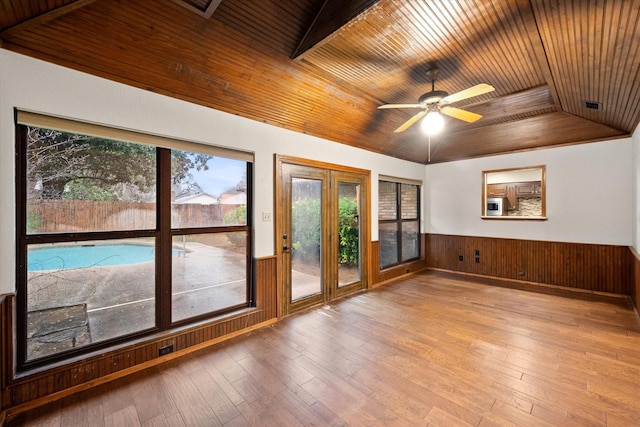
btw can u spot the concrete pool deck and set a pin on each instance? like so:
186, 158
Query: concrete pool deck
120, 299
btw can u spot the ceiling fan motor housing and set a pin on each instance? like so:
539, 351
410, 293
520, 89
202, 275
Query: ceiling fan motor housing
432, 97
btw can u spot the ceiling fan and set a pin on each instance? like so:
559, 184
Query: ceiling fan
438, 101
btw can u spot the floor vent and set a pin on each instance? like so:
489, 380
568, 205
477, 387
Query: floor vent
592, 105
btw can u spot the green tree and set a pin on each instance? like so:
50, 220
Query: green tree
65, 165
184, 161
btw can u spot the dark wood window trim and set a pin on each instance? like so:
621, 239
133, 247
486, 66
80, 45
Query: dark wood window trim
399, 221
163, 235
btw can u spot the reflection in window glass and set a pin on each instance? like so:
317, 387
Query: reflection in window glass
388, 243
196, 289
81, 293
207, 191
80, 183
409, 237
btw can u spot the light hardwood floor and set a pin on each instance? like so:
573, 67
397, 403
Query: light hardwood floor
431, 349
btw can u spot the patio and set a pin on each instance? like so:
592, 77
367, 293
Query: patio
76, 307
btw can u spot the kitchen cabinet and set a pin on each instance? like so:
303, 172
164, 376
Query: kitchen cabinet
520, 193
528, 189
497, 190
513, 190
507, 191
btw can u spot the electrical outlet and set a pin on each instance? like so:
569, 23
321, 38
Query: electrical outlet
460, 258
266, 216
477, 252
477, 260
165, 350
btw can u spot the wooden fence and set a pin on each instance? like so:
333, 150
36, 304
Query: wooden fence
59, 216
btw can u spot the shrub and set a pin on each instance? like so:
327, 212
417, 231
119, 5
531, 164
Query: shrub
34, 221
306, 230
236, 216
348, 231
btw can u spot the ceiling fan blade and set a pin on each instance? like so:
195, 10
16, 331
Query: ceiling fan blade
411, 121
460, 114
387, 106
476, 90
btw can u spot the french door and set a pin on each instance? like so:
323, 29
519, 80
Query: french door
322, 229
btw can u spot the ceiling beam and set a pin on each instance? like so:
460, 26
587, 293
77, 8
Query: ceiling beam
45, 17
539, 51
333, 15
203, 8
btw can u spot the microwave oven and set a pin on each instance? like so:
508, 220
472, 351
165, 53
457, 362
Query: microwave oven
496, 206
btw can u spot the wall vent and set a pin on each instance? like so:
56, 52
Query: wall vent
592, 105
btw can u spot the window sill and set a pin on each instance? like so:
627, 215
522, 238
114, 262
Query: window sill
516, 218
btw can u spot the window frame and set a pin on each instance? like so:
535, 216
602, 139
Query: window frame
399, 221
163, 235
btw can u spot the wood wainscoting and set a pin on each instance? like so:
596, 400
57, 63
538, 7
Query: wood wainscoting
381, 276
635, 278
590, 267
27, 390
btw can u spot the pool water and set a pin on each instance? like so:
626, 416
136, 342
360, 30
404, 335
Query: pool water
85, 256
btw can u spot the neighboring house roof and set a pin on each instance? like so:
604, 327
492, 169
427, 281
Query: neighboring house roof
200, 198
239, 198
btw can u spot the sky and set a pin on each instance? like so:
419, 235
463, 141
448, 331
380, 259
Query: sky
222, 174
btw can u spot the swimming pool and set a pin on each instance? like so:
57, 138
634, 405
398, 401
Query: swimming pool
85, 256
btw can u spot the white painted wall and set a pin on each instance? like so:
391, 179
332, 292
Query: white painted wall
33, 85
577, 176
636, 188
589, 195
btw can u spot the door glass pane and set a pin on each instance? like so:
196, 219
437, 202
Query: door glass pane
348, 233
410, 243
81, 183
306, 232
388, 234
209, 273
207, 191
80, 293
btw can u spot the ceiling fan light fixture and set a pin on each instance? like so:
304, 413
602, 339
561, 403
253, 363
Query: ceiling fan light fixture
433, 123
435, 102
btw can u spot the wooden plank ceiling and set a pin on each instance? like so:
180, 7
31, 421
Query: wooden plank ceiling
323, 67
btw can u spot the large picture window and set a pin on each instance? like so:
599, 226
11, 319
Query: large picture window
399, 222
118, 237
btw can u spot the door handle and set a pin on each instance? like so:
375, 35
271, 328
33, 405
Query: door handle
285, 248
